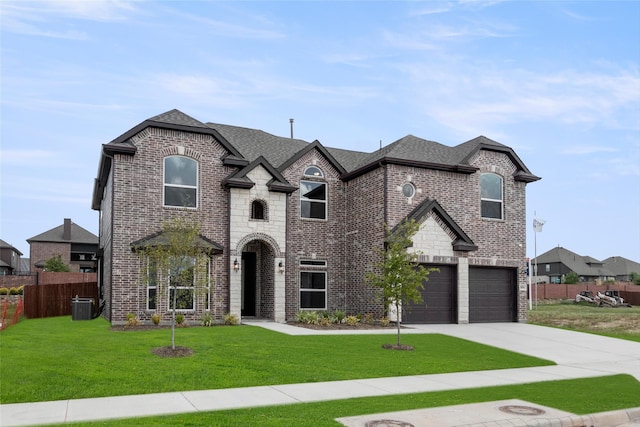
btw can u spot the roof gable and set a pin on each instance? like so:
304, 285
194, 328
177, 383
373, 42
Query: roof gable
419, 213
239, 179
56, 235
315, 145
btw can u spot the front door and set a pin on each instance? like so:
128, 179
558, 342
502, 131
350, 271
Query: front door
248, 284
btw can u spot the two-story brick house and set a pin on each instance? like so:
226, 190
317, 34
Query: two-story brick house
292, 225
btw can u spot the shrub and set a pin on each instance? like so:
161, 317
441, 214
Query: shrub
230, 319
206, 319
352, 320
179, 319
571, 278
155, 318
14, 291
4, 291
308, 317
337, 316
385, 322
132, 320
368, 318
635, 278
325, 321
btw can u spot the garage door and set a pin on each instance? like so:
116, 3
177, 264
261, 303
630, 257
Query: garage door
439, 299
492, 295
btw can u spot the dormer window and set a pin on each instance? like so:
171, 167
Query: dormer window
313, 172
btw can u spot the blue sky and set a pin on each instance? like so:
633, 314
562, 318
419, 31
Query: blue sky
557, 81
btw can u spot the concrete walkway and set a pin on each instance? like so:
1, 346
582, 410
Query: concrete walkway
577, 355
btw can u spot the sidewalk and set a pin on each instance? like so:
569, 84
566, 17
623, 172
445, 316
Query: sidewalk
577, 355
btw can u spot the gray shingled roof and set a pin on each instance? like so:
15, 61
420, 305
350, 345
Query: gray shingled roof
177, 117
583, 266
55, 235
4, 244
621, 266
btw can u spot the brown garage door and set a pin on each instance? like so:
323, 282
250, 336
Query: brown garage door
492, 295
439, 299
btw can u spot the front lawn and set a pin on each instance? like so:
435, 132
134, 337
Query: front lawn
57, 358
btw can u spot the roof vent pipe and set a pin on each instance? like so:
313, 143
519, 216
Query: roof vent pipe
291, 124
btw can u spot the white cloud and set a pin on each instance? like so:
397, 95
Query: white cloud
587, 149
41, 18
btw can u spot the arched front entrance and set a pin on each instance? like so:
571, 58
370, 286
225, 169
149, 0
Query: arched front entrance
257, 279
258, 286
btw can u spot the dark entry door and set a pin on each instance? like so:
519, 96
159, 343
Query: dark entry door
248, 284
492, 295
439, 299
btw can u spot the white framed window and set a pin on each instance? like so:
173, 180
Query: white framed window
313, 284
313, 171
180, 182
313, 290
313, 200
491, 197
182, 281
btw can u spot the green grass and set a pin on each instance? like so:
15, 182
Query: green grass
623, 322
56, 358
581, 396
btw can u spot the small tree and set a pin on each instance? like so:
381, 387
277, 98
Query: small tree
635, 278
176, 259
55, 263
399, 277
571, 278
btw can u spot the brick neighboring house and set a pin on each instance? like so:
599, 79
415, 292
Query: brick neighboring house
76, 246
293, 225
10, 261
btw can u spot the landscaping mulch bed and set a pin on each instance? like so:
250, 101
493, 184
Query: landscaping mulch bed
167, 351
343, 326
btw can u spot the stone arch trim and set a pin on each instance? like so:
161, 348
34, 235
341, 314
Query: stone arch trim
176, 150
262, 237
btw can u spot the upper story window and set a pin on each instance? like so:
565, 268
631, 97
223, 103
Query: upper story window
180, 182
313, 171
491, 196
258, 210
313, 200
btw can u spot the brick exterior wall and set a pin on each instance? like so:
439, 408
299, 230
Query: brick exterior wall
137, 201
348, 240
42, 251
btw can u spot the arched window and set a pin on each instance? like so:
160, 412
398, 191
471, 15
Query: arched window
491, 196
314, 172
180, 182
258, 210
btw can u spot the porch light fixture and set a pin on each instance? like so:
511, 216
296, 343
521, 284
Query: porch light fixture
236, 265
281, 267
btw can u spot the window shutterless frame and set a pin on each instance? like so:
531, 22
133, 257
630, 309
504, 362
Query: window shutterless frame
491, 196
180, 182
313, 200
313, 290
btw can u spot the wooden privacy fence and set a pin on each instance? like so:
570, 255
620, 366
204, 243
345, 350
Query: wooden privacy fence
55, 299
630, 293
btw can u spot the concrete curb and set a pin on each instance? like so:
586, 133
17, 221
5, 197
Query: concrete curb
624, 417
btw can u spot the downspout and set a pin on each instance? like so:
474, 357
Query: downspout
227, 257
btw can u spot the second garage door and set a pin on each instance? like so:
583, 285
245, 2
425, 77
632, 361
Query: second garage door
492, 295
439, 299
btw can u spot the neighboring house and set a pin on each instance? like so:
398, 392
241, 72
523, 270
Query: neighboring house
9, 259
621, 267
559, 261
76, 246
290, 225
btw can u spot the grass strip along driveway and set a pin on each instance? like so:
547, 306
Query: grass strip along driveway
581, 396
56, 359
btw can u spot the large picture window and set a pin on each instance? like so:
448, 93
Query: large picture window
313, 200
491, 196
313, 290
180, 182
182, 283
